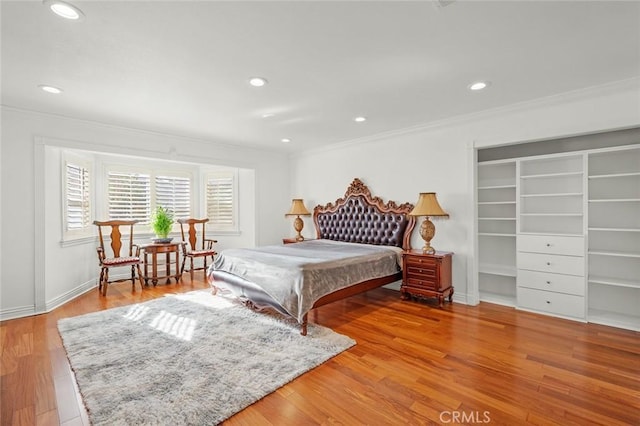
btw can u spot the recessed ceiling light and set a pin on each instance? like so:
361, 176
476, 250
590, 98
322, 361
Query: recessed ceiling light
50, 89
268, 115
65, 10
257, 81
479, 85
360, 119
285, 140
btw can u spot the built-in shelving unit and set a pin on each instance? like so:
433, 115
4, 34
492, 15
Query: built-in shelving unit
558, 227
614, 237
497, 218
550, 242
551, 195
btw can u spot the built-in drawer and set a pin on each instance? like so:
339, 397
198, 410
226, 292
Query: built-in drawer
570, 265
560, 283
567, 305
552, 244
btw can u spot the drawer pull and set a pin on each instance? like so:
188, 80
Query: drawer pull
548, 263
549, 302
548, 282
548, 244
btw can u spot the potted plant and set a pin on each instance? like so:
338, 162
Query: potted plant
162, 222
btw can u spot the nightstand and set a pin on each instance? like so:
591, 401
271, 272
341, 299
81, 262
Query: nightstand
426, 275
293, 240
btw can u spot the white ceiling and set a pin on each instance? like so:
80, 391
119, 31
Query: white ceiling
181, 67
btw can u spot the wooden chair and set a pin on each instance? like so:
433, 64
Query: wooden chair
117, 259
193, 245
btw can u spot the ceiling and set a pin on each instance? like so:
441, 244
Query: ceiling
182, 67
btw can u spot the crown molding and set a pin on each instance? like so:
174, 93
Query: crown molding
621, 86
207, 142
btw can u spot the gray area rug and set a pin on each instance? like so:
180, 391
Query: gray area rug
187, 359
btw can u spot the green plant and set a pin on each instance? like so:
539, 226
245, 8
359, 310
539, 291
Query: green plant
161, 221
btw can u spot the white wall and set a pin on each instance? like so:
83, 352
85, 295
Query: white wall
397, 166
441, 158
36, 272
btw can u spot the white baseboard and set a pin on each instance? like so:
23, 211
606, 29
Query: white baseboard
70, 295
17, 312
27, 311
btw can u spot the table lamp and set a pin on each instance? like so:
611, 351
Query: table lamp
298, 209
428, 206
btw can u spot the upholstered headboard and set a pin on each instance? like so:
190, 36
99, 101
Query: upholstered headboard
361, 218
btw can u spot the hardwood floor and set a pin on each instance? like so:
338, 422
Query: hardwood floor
413, 364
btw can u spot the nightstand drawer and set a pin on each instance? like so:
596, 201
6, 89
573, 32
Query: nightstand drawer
567, 305
420, 261
417, 282
570, 265
421, 271
560, 283
552, 244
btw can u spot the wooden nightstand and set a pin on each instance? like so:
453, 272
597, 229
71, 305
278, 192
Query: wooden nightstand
426, 275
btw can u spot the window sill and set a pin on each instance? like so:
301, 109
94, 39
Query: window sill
78, 241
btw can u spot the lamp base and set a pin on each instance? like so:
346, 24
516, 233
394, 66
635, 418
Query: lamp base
298, 224
427, 231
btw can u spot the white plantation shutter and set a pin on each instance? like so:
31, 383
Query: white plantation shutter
221, 200
174, 194
77, 198
129, 196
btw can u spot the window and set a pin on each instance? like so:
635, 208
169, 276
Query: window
77, 198
129, 196
134, 192
130, 188
221, 200
174, 194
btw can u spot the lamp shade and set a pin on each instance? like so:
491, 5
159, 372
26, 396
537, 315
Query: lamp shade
297, 208
428, 205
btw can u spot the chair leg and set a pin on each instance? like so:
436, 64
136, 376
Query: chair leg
105, 283
133, 278
101, 280
184, 260
191, 268
140, 276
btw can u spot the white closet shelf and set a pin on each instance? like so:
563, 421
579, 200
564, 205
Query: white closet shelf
548, 175
480, 203
613, 253
615, 200
612, 281
562, 234
615, 229
614, 175
496, 187
495, 234
497, 298
560, 194
496, 218
495, 269
614, 319
553, 214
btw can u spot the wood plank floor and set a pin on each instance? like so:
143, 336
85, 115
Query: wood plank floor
413, 364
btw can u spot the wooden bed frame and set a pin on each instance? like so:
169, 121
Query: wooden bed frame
358, 217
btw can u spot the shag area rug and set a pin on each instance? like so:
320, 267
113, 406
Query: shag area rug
187, 359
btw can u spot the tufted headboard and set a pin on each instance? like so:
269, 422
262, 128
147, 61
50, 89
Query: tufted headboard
361, 218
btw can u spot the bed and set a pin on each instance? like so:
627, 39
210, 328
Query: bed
358, 247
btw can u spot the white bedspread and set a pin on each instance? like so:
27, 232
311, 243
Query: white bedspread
297, 275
